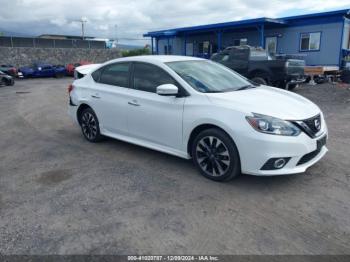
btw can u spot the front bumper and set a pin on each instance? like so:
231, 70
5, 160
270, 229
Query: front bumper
258, 148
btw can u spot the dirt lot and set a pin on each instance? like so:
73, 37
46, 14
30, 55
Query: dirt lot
62, 195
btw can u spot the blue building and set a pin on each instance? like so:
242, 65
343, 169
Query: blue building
320, 39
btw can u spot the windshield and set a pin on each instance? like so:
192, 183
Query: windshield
209, 77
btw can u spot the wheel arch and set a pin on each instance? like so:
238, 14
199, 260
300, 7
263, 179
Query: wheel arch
199, 128
81, 108
260, 73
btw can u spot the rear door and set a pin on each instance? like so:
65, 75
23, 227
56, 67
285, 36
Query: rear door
109, 97
151, 117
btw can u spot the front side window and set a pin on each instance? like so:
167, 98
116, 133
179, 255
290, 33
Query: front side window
115, 74
209, 77
310, 41
147, 77
221, 57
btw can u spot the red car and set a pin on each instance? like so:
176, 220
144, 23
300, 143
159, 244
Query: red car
10, 70
71, 67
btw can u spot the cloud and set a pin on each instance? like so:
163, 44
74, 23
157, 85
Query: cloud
129, 19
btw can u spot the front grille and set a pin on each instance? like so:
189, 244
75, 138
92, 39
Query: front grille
306, 158
310, 126
311, 123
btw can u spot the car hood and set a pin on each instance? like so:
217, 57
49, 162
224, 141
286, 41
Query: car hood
267, 101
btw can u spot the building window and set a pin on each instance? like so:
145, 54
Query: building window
239, 42
206, 45
271, 44
310, 41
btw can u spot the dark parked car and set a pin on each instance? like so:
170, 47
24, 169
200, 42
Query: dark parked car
6, 80
43, 70
10, 70
255, 64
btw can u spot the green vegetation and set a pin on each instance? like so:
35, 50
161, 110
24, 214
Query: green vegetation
136, 52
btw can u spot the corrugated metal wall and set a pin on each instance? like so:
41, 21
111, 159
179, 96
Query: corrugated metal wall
7, 41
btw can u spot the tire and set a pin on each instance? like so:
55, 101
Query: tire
3, 82
213, 147
10, 83
291, 87
259, 80
90, 125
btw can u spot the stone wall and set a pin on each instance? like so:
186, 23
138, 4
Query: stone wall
23, 56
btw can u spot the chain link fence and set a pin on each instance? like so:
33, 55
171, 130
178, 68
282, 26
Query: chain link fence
8, 41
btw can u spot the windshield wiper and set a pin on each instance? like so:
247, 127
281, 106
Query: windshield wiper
245, 87
214, 91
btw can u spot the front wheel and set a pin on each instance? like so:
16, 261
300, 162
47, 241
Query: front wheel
10, 82
90, 125
292, 86
215, 155
259, 80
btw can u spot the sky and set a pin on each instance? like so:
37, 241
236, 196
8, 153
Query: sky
127, 20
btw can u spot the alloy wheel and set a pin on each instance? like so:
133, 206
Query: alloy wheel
89, 125
213, 156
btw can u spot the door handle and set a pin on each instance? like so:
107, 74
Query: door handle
134, 103
95, 96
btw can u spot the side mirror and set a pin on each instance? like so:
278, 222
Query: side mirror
167, 90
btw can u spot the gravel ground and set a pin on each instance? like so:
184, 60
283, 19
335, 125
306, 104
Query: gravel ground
62, 195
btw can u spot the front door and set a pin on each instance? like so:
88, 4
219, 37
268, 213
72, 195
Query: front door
151, 117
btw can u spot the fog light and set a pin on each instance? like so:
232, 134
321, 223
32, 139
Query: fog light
279, 163
275, 163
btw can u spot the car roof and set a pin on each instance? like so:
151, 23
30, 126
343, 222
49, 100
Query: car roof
156, 58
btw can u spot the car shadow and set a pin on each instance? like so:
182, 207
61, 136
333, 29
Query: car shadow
189, 169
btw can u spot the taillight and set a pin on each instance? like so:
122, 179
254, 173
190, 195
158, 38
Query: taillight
70, 88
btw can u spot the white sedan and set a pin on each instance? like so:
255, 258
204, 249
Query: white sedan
195, 108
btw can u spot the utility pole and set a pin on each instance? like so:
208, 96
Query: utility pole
116, 35
83, 20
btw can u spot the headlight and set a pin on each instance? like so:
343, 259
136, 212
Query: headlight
272, 125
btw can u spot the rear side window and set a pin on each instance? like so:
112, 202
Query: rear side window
96, 75
147, 77
115, 74
223, 57
239, 54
